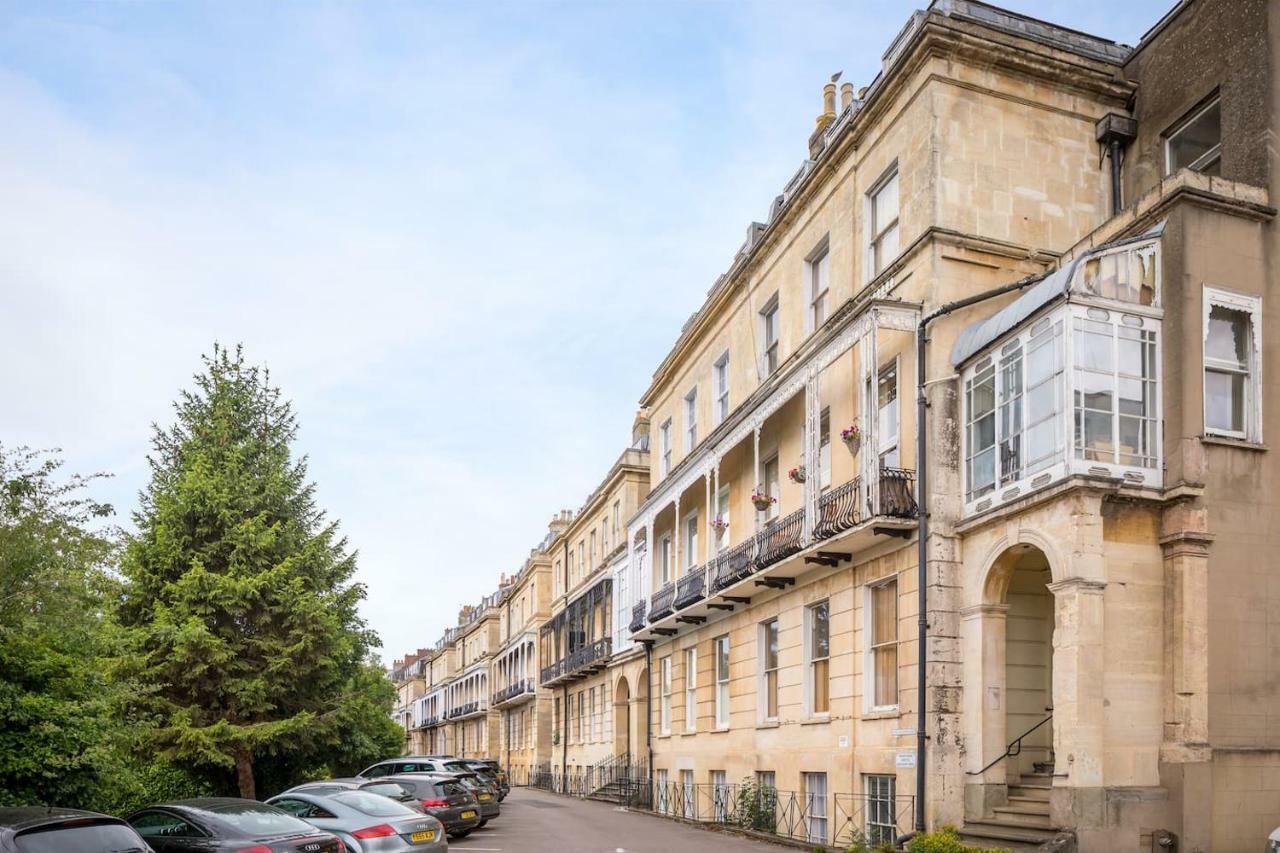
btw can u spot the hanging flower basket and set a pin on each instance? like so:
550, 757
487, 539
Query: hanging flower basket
798, 474
852, 438
762, 500
719, 525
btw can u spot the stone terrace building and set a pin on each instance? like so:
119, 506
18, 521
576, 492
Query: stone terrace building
1064, 249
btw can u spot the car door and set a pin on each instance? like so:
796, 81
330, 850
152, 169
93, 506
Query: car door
168, 833
378, 770
307, 809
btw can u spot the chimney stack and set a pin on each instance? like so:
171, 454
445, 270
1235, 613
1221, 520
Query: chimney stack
846, 96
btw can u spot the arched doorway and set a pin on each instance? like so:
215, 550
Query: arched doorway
622, 718
1019, 581
639, 740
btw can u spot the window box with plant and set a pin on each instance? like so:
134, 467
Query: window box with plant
798, 474
852, 438
719, 524
762, 500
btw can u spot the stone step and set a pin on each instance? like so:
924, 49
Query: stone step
1028, 802
1001, 833
1036, 815
1030, 792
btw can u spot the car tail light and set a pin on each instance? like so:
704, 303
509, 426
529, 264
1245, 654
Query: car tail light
257, 848
382, 830
435, 804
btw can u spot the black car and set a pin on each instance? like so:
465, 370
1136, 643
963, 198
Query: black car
445, 799
224, 823
486, 794
482, 769
38, 829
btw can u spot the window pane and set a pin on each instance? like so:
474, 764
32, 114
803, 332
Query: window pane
1224, 400
1093, 433
821, 687
885, 205
1196, 138
820, 628
886, 683
771, 645
1228, 339
982, 472
1093, 349
1093, 391
884, 617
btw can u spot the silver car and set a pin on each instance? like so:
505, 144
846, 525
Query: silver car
366, 823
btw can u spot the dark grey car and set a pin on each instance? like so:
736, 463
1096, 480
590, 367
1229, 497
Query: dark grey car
486, 794
38, 829
324, 787
366, 823
447, 800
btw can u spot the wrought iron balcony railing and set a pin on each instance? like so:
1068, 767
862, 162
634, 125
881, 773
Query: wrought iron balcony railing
519, 688
735, 564
779, 539
662, 604
580, 659
838, 509
464, 710
428, 722
691, 587
898, 492
637, 617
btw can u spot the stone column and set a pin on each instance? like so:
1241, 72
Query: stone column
985, 725
1078, 703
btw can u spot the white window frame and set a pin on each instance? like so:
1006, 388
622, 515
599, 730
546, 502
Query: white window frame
689, 541
722, 512
881, 793
824, 449
810, 661
775, 507
722, 679
1209, 157
1250, 306
869, 667
817, 821
691, 689
664, 691
770, 317
720, 388
889, 445
666, 560
877, 231
664, 438
691, 420
818, 285
762, 680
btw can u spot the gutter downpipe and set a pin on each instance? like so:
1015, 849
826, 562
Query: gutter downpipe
1114, 151
922, 537
648, 708
564, 688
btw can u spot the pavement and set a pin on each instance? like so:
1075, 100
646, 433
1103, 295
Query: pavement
533, 821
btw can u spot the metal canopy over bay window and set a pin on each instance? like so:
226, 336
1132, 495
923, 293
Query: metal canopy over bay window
1065, 380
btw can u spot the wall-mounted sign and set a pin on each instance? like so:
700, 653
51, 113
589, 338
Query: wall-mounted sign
905, 759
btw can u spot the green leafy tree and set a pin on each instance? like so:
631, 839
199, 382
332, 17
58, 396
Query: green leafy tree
57, 703
240, 604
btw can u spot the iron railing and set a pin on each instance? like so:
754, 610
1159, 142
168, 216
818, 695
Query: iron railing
662, 604
735, 564
691, 587
463, 710
580, 658
898, 492
428, 722
838, 510
1014, 749
637, 617
779, 539
506, 694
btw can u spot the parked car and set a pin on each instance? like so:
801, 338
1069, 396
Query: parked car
407, 764
496, 766
322, 787
445, 799
486, 795
225, 823
40, 829
482, 769
366, 823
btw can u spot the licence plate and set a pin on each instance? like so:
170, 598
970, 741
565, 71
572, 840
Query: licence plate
484, 798
419, 837
468, 814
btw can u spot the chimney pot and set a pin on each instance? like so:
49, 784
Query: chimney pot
846, 96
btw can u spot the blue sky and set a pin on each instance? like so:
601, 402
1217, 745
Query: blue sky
461, 235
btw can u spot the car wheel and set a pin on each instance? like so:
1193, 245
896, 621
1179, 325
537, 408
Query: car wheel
482, 823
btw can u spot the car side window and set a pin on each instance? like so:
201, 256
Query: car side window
297, 808
378, 770
163, 825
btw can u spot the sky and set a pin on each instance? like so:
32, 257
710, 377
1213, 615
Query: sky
460, 235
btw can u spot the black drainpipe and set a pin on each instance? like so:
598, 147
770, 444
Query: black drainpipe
648, 706
922, 538
564, 690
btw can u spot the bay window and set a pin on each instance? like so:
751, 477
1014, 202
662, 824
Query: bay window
1072, 390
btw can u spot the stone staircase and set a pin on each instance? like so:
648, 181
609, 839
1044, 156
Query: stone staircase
1021, 825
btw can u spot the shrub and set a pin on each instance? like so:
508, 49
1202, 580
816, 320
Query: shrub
944, 840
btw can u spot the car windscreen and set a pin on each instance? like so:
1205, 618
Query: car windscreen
95, 838
372, 804
457, 767
387, 789
260, 820
452, 789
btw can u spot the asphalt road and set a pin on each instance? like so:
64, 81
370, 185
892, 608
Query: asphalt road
536, 821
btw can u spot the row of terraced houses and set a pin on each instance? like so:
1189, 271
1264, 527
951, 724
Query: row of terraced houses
1004, 349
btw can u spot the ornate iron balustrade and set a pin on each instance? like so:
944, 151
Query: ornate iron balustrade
463, 710
578, 659
637, 617
838, 510
779, 539
521, 687
663, 602
691, 587
898, 492
428, 722
735, 564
